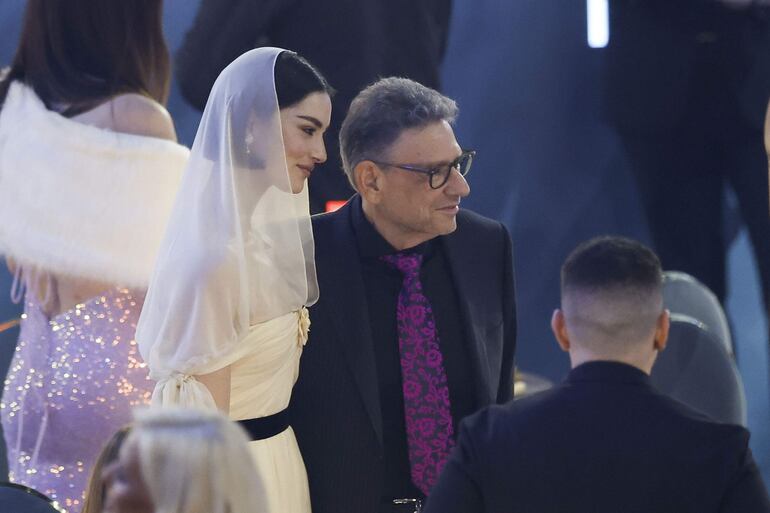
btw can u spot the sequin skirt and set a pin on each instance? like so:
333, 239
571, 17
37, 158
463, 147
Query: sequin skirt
73, 381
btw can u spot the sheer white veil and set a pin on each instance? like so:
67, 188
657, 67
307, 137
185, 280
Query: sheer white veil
238, 249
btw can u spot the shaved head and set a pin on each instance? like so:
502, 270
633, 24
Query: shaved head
611, 296
611, 320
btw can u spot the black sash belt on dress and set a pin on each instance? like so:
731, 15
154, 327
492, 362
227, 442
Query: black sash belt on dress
266, 427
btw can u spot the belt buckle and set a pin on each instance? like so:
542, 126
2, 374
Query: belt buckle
416, 503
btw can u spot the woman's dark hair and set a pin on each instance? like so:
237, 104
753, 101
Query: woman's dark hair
77, 54
295, 78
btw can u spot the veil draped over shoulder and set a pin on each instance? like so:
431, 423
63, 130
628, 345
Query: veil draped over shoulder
238, 250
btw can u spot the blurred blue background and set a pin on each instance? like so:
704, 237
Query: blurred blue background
527, 86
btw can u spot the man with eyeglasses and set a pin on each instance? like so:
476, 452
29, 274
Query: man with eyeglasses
415, 327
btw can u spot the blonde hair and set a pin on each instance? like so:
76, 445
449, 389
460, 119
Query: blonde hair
195, 461
95, 491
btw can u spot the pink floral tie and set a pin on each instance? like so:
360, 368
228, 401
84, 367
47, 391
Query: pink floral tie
429, 431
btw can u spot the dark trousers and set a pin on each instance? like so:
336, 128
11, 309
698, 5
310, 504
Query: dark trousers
682, 171
681, 179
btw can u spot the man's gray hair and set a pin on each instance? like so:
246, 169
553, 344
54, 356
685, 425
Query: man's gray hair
383, 110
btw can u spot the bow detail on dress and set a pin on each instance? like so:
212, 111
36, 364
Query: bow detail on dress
303, 318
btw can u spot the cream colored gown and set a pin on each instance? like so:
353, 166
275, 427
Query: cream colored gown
261, 382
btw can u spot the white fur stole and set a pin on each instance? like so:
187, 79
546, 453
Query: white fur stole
79, 200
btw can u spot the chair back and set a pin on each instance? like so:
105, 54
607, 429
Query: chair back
16, 498
683, 294
696, 369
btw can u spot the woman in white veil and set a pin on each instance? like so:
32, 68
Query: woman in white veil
224, 322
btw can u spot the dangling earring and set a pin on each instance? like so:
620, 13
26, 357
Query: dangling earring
248, 141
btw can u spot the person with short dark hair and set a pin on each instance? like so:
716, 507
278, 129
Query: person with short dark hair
415, 327
604, 440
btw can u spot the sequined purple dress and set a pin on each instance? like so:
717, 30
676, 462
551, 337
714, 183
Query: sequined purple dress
80, 202
73, 382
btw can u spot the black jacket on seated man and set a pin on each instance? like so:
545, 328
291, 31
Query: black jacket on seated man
603, 441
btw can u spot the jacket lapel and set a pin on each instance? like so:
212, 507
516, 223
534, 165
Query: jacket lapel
342, 287
471, 303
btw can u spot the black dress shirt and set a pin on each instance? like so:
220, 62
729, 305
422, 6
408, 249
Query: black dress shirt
383, 285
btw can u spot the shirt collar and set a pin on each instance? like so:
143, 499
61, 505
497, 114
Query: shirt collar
608, 371
372, 245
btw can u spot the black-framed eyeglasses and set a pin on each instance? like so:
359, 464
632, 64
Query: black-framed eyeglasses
439, 175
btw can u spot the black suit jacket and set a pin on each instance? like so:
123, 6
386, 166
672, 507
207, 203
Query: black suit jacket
335, 404
603, 441
651, 57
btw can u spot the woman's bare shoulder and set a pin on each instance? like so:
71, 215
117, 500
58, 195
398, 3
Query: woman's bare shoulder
131, 113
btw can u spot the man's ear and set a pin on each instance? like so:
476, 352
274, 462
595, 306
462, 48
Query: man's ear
559, 328
661, 330
368, 178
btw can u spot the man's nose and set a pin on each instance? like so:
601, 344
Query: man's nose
457, 185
